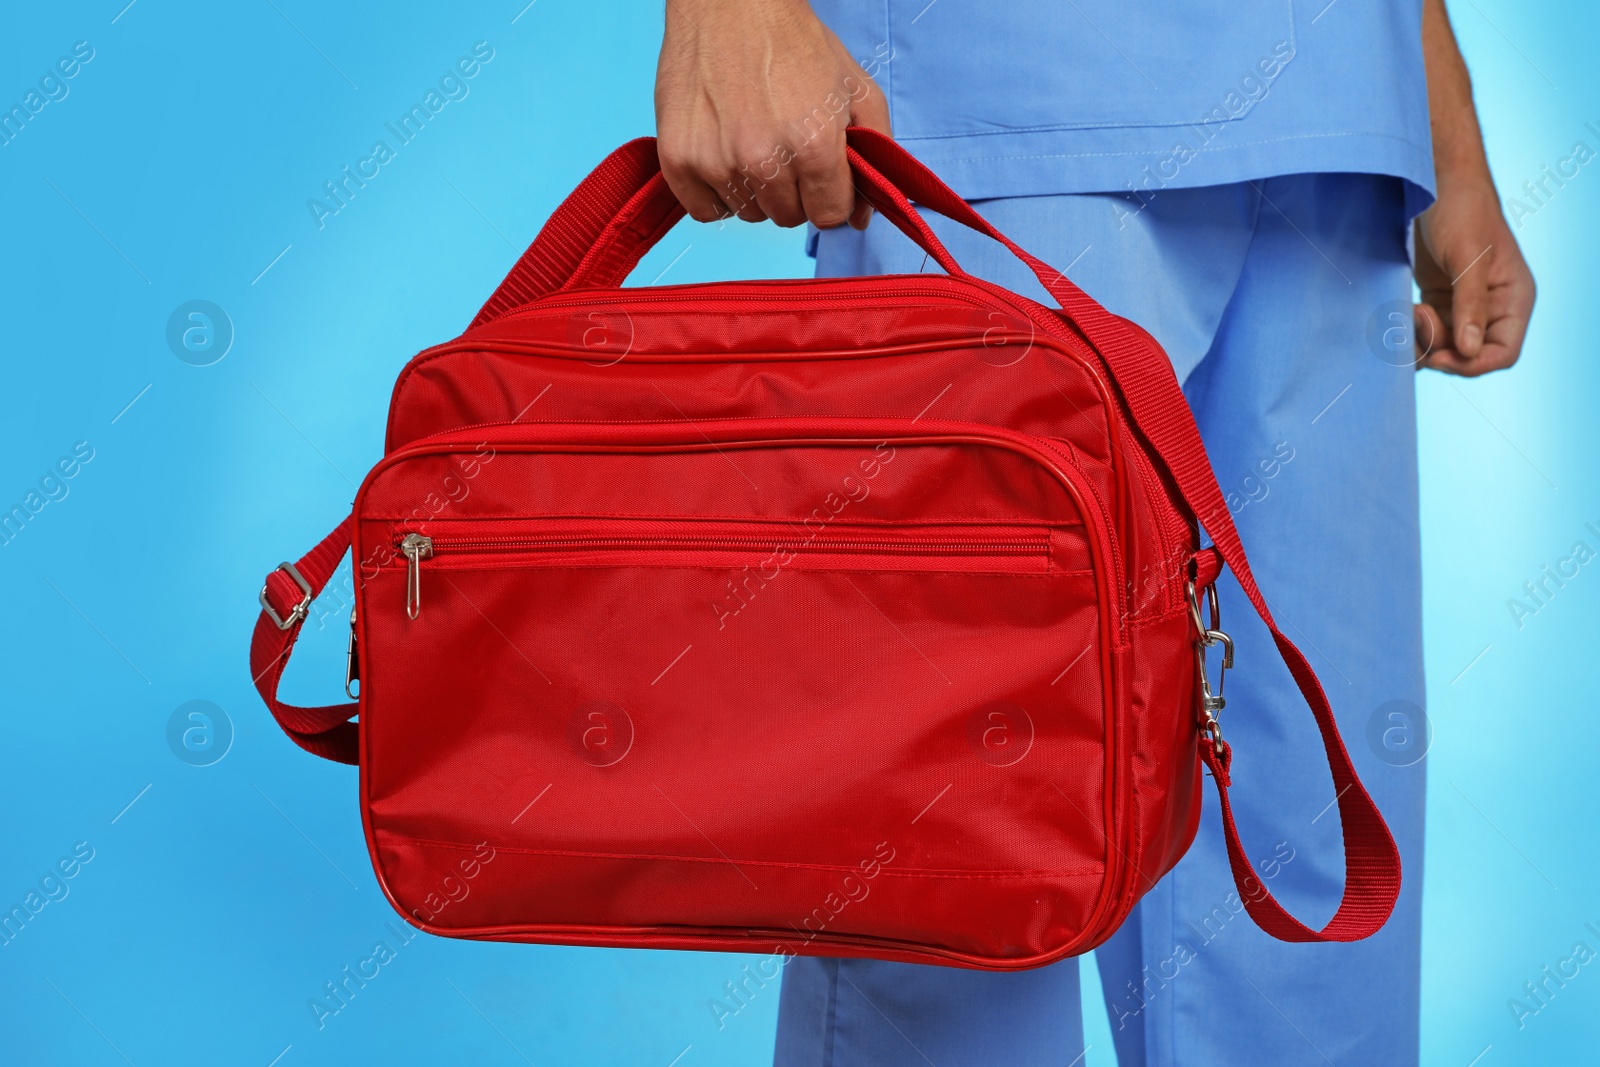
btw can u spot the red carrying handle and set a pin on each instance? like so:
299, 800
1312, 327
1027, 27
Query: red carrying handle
598, 235
618, 213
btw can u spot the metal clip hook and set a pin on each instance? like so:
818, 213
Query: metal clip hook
1211, 703
352, 662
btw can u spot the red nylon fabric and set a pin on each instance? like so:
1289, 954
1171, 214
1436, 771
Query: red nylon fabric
323, 731
892, 515
559, 248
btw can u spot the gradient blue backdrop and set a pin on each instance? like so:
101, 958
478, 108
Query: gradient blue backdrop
220, 898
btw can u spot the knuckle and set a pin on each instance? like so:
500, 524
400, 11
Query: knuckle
689, 166
752, 152
818, 154
783, 210
675, 157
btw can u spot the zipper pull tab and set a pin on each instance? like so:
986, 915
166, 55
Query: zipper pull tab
417, 547
352, 661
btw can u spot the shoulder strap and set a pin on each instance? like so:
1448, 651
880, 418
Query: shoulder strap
325, 732
1144, 377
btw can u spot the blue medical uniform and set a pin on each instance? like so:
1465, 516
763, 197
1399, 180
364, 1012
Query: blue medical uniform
1272, 264
1040, 97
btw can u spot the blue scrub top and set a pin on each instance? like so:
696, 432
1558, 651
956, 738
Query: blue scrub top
1036, 97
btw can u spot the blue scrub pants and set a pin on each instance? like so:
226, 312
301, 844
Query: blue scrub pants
1274, 300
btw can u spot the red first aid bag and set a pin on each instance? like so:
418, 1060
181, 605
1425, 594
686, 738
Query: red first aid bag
849, 617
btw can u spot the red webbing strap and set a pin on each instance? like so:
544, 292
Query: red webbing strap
571, 232
641, 221
1148, 385
646, 217
326, 732
600, 232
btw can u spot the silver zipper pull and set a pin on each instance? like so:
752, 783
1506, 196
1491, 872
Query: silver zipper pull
416, 547
352, 661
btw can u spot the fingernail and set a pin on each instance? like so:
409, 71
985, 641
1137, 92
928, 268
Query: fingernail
1471, 339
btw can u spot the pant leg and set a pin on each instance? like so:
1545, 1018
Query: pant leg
871, 1013
1310, 425
1263, 307
840, 1013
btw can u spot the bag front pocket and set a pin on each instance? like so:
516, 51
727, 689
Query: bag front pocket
755, 553
767, 701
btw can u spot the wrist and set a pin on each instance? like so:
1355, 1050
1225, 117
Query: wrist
1463, 173
735, 10
1459, 163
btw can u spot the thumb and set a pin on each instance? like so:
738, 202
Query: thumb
1427, 333
868, 108
1469, 304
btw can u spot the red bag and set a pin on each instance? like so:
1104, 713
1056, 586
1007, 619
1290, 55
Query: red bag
848, 617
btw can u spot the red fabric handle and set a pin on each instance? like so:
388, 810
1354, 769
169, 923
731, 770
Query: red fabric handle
618, 213
327, 731
573, 230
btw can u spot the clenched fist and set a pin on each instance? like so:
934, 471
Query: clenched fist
752, 101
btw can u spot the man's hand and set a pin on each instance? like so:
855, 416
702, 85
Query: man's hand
752, 101
1477, 291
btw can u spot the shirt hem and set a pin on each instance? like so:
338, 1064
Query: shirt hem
1022, 165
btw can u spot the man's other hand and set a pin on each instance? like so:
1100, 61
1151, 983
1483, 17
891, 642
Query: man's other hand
1477, 291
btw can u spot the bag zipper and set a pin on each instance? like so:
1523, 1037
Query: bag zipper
1100, 528
416, 546
799, 290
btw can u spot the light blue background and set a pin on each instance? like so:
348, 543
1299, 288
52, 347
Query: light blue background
178, 168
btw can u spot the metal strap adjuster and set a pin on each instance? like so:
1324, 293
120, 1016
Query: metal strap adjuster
1206, 636
300, 610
